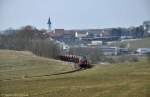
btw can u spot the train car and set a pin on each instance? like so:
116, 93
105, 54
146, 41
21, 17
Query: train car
79, 61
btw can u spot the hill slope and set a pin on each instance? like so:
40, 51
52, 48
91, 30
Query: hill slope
20, 64
142, 43
118, 80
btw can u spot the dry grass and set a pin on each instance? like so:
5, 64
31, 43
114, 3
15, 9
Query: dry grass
118, 80
143, 43
21, 64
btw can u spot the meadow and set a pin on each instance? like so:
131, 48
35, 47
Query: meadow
142, 43
22, 73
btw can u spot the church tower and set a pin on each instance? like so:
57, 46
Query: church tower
49, 25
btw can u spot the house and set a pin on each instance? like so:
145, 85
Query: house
57, 33
63, 46
109, 50
96, 42
146, 26
80, 35
143, 51
114, 50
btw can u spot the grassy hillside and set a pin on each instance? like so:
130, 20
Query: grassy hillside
143, 43
20, 64
118, 80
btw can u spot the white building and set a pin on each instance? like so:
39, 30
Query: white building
142, 51
114, 50
80, 35
63, 46
96, 42
146, 26
110, 50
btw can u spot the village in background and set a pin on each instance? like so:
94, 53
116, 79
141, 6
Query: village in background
112, 41
96, 44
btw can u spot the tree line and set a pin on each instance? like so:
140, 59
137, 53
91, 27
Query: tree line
31, 39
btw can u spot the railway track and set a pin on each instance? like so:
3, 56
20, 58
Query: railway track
30, 77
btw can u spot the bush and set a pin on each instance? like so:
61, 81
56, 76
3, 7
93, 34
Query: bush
110, 60
133, 59
127, 59
44, 48
122, 59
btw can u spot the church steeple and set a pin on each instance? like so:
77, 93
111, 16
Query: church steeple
49, 25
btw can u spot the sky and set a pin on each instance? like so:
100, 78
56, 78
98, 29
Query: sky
73, 14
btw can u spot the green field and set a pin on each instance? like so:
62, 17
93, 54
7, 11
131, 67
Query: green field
143, 43
115, 80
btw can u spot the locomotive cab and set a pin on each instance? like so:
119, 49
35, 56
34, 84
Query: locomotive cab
83, 63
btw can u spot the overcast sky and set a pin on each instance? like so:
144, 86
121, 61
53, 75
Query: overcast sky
73, 14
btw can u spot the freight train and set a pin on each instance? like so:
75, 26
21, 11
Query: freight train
79, 61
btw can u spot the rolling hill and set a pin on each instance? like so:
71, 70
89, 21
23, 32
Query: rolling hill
114, 80
20, 64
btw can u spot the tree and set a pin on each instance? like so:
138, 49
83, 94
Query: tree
31, 39
148, 58
123, 45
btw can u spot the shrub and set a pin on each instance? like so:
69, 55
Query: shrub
133, 59
127, 59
